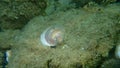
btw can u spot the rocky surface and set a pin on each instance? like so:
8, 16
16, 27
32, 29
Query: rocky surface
89, 37
91, 32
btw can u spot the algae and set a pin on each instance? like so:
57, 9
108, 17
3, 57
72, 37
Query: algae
89, 38
91, 32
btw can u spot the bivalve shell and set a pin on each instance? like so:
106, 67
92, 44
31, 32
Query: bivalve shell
52, 36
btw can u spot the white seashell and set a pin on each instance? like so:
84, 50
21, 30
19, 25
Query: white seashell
8, 55
52, 36
117, 51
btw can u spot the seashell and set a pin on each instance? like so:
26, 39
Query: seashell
7, 55
117, 51
52, 36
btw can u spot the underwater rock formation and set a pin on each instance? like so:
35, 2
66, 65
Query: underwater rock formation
89, 36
